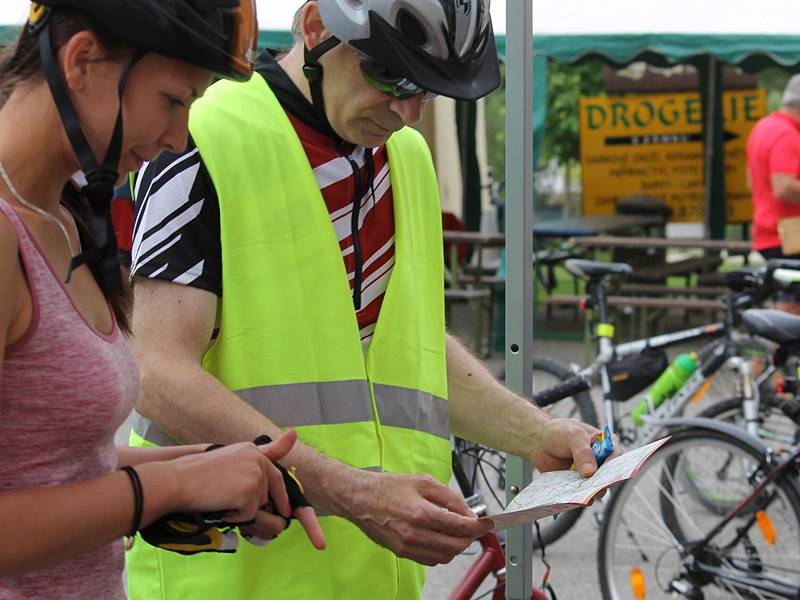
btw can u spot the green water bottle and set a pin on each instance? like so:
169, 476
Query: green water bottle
669, 382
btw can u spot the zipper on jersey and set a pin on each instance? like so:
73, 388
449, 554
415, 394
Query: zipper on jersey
358, 194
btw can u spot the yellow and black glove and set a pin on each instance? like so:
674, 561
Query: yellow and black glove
188, 533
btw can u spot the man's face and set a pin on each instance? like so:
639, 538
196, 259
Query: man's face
357, 111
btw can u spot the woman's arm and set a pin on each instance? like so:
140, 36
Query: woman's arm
127, 455
51, 525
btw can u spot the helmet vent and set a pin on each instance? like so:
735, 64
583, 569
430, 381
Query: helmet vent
411, 28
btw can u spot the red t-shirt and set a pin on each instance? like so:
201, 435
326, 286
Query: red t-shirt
772, 148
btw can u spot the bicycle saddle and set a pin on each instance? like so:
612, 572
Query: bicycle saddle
775, 325
590, 268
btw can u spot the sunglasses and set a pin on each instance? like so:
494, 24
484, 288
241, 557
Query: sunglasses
377, 76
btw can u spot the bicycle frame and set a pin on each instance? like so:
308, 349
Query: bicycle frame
726, 351
781, 586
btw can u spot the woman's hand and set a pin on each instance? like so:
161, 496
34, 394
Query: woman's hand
238, 478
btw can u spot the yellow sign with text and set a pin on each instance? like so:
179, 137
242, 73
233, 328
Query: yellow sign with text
652, 144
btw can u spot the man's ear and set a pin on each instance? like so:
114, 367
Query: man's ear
78, 57
312, 27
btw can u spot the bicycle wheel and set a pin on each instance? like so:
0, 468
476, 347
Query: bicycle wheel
653, 522
546, 373
775, 428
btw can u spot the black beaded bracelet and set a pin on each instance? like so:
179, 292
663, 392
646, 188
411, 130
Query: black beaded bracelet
138, 499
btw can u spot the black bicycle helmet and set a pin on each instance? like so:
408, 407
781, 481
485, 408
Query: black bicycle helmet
219, 35
443, 46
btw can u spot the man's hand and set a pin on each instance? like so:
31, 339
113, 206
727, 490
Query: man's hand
268, 525
561, 443
414, 516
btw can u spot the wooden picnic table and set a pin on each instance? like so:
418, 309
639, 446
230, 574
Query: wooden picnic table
478, 295
653, 272
594, 225
733, 247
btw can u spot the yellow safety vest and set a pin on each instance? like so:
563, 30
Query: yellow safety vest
289, 345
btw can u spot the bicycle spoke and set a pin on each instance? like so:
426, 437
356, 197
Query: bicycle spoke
678, 504
655, 521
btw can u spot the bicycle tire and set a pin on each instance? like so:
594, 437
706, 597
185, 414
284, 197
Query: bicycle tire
774, 428
618, 537
578, 407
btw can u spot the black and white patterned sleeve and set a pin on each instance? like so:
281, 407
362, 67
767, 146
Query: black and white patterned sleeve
176, 235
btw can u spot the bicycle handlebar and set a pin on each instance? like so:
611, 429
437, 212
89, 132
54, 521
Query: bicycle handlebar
570, 387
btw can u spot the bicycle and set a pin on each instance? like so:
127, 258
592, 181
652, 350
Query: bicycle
749, 497
725, 363
657, 533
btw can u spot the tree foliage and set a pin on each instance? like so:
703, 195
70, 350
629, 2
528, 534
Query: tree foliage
495, 114
567, 83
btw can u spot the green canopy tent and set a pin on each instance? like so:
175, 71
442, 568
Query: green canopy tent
752, 36
749, 35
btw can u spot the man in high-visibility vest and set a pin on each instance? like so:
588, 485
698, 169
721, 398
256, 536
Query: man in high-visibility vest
289, 272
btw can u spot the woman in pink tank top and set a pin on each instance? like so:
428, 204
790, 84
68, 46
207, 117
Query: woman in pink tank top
90, 78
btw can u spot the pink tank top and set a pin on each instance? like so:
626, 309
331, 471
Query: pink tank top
65, 390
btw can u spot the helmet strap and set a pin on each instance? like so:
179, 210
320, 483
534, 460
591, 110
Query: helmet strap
100, 178
313, 73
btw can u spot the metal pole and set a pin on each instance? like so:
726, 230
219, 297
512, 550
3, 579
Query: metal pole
708, 139
519, 263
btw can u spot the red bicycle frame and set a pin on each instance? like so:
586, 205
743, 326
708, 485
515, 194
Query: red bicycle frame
491, 561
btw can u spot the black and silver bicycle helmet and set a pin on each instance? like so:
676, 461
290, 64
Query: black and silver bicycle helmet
219, 35
443, 46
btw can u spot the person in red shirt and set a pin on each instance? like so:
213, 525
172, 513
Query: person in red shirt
773, 169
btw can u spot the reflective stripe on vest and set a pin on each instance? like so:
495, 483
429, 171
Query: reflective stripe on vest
300, 404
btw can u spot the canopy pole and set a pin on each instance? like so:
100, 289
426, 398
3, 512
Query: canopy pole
713, 150
519, 264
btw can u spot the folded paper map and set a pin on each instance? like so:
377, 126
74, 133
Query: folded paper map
557, 491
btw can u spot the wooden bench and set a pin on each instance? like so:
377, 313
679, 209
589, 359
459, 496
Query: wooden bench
659, 289
648, 309
641, 302
489, 281
685, 267
480, 301
730, 247
466, 295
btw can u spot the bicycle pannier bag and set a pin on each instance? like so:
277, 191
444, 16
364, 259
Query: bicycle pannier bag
630, 375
